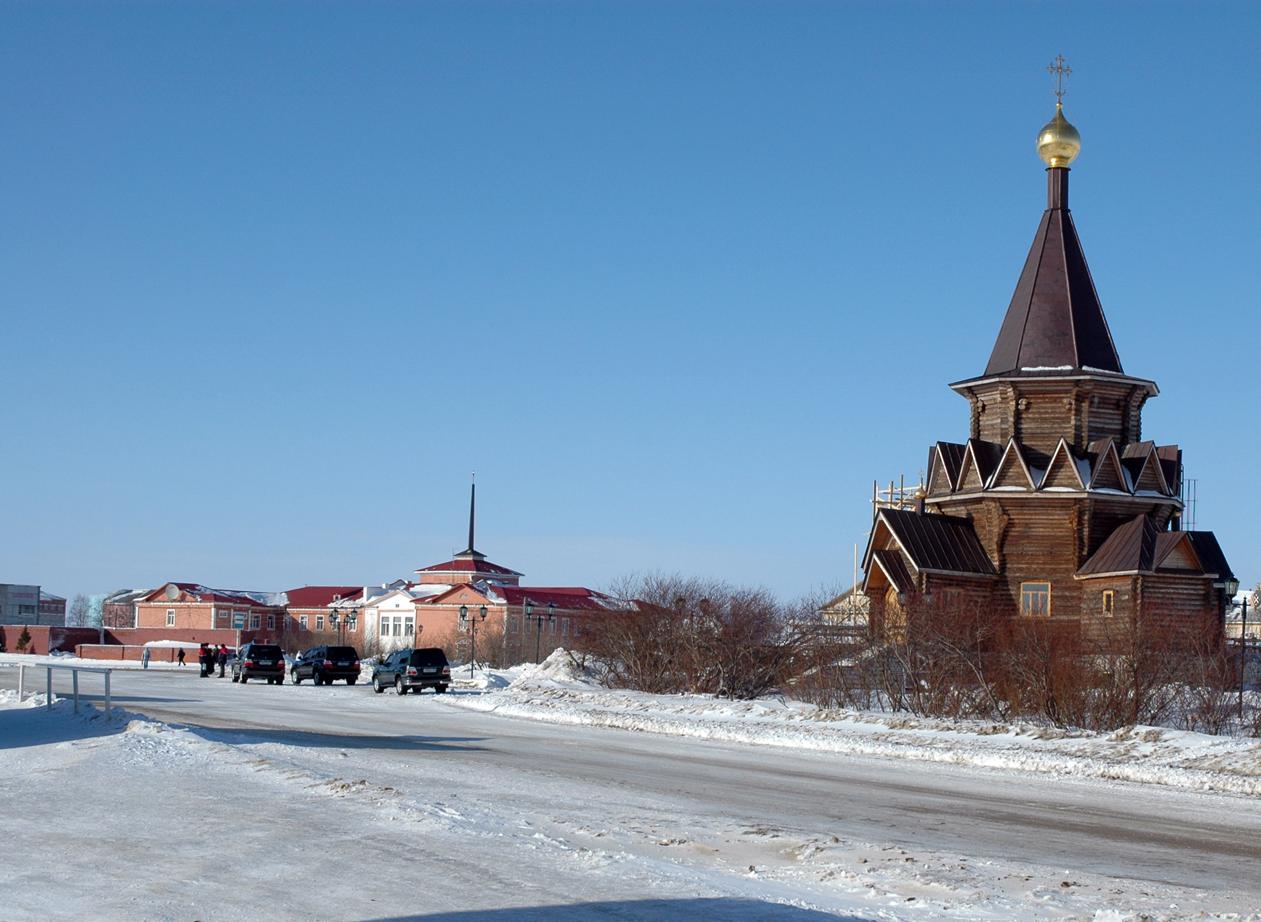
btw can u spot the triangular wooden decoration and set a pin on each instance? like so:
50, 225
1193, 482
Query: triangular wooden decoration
1062, 473
1151, 479
1108, 474
938, 476
1012, 471
969, 475
1180, 556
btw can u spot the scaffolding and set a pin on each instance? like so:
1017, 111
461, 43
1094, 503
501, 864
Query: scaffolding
897, 495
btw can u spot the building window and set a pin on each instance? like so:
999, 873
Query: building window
564, 627
1035, 600
319, 622
256, 621
271, 622
302, 622
170, 617
409, 626
1109, 601
354, 624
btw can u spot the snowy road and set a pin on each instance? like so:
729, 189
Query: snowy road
499, 813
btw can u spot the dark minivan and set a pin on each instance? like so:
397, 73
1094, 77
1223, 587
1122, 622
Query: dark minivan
323, 665
412, 670
259, 661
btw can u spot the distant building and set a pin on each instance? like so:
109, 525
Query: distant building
847, 613
19, 604
191, 606
118, 608
52, 609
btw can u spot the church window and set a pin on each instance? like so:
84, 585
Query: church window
1035, 600
1109, 601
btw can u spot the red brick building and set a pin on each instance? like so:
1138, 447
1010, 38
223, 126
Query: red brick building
191, 606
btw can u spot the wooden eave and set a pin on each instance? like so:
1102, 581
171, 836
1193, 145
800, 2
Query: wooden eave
968, 384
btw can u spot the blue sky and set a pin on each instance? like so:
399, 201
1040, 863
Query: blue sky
678, 280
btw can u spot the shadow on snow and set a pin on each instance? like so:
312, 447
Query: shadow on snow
253, 735
668, 910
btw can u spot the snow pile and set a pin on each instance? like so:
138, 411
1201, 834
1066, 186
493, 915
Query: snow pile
560, 668
559, 691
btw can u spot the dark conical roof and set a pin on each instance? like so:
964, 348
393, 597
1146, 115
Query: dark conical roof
1054, 322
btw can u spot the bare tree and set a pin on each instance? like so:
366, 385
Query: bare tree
78, 613
671, 633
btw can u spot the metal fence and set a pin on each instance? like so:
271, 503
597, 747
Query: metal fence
74, 678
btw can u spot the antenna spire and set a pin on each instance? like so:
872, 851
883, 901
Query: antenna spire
472, 509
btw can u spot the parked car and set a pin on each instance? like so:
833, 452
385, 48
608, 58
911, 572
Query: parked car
412, 670
323, 665
259, 661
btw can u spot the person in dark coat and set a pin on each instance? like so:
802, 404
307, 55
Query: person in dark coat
181, 656
222, 659
203, 660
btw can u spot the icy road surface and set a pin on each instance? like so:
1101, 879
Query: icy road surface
334, 803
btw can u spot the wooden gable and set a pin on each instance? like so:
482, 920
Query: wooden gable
944, 462
969, 475
1063, 472
1180, 556
1108, 473
1013, 472
1150, 478
938, 476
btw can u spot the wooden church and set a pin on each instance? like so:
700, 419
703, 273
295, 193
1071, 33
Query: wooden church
1056, 506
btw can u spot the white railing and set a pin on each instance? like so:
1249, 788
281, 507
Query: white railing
48, 681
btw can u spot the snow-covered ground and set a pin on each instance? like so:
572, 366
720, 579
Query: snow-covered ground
231, 802
558, 692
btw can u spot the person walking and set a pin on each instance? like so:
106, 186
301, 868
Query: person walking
181, 656
222, 658
144, 658
203, 659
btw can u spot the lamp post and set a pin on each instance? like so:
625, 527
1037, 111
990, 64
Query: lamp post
341, 623
1232, 588
473, 645
538, 625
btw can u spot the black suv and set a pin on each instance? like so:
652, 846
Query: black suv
324, 665
259, 661
412, 670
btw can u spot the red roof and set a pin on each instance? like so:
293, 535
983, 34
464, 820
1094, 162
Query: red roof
571, 597
227, 596
468, 565
321, 596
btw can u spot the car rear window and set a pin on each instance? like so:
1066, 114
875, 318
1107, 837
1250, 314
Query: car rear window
342, 653
266, 652
429, 656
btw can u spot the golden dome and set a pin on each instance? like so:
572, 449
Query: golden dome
1058, 141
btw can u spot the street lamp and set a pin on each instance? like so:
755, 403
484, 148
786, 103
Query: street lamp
1232, 589
538, 625
473, 645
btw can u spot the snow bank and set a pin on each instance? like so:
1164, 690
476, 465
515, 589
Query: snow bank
559, 691
69, 659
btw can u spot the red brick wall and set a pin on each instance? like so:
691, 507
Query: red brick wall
45, 637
